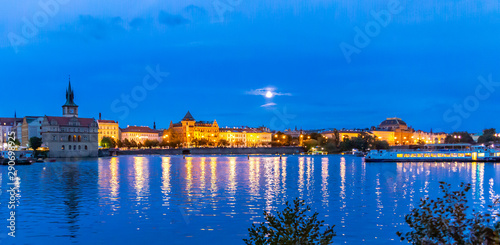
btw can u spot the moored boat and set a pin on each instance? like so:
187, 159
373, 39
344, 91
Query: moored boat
437, 153
21, 158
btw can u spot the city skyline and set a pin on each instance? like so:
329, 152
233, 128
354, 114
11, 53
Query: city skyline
280, 118
413, 68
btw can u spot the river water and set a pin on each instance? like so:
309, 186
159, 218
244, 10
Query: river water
215, 199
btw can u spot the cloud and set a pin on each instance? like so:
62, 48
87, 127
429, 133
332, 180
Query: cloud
99, 28
268, 104
264, 91
171, 20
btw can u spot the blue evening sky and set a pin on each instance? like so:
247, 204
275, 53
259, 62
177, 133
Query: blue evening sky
421, 62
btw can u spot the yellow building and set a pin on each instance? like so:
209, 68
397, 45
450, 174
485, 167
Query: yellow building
256, 137
235, 137
108, 128
388, 136
396, 132
343, 134
245, 137
188, 129
140, 134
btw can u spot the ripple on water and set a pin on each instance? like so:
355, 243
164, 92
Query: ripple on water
213, 200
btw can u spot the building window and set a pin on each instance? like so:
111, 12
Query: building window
86, 147
79, 138
74, 147
79, 147
69, 147
69, 138
62, 148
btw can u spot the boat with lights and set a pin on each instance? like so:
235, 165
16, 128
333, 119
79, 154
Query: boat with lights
437, 153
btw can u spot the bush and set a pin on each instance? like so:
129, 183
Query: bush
292, 226
445, 221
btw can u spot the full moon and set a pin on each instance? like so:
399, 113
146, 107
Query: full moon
269, 94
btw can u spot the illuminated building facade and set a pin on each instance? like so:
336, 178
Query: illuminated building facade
8, 125
31, 126
258, 137
343, 134
140, 134
188, 129
69, 135
396, 132
108, 128
245, 137
235, 137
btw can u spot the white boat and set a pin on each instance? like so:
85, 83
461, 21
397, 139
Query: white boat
437, 153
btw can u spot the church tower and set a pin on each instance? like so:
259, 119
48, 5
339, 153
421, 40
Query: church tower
70, 109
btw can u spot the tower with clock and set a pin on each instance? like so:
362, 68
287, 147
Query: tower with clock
70, 109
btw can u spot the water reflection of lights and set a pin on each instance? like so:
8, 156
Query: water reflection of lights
166, 187
272, 168
114, 181
283, 176
324, 180
481, 184
301, 177
276, 171
342, 181
189, 175
213, 178
310, 173
254, 175
141, 177
202, 175
232, 177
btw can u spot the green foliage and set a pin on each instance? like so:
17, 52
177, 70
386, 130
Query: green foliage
35, 143
126, 143
364, 142
200, 142
280, 139
151, 143
445, 220
175, 143
223, 142
108, 142
309, 144
331, 148
292, 226
458, 137
380, 145
489, 135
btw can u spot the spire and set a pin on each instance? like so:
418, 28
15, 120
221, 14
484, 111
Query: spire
154, 125
15, 114
70, 95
